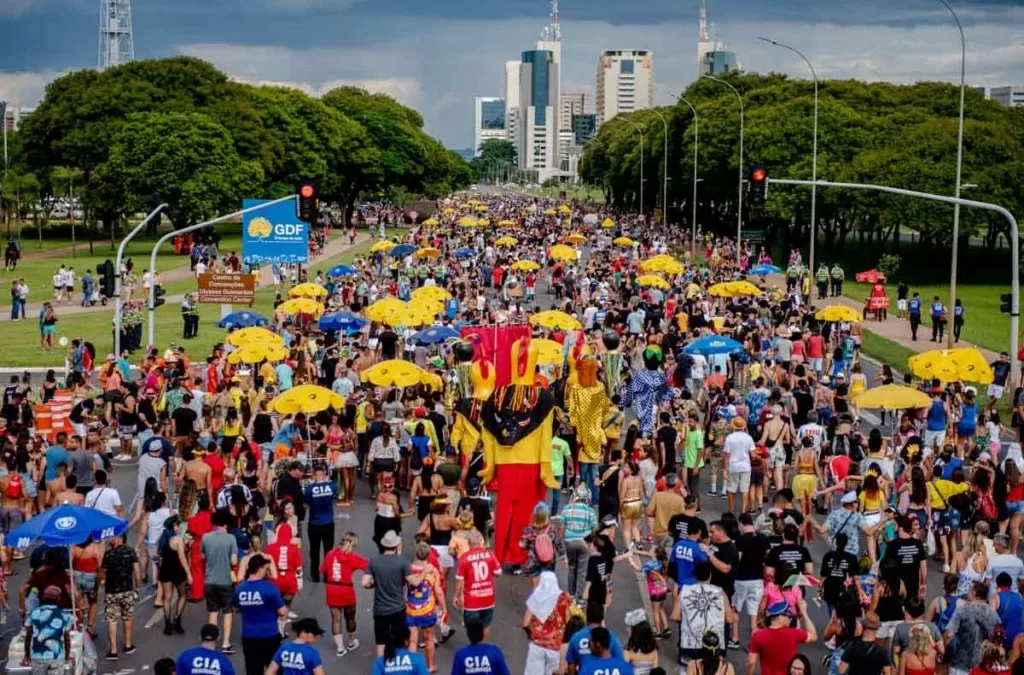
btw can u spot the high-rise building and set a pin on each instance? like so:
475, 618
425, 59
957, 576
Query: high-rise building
13, 115
584, 127
538, 113
712, 56
489, 121
718, 62
569, 104
512, 102
625, 82
1012, 96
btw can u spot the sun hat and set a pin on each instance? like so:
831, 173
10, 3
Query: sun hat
390, 540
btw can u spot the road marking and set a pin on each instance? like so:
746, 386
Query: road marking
871, 418
155, 619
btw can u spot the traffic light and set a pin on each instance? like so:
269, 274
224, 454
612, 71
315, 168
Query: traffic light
1007, 300
106, 272
158, 293
758, 185
308, 209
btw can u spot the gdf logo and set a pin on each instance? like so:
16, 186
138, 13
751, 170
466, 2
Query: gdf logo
288, 229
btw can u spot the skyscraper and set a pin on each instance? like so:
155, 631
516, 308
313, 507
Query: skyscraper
512, 102
489, 121
625, 82
538, 113
712, 57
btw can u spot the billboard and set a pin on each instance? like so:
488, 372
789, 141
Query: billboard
273, 234
227, 289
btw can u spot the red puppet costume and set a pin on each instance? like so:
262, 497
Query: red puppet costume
288, 561
516, 429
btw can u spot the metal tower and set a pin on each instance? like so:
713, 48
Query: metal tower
552, 32
116, 44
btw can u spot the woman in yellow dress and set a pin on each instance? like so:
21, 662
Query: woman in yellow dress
805, 480
858, 384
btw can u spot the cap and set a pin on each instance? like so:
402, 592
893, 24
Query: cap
850, 498
635, 617
779, 608
209, 633
390, 540
583, 492
307, 626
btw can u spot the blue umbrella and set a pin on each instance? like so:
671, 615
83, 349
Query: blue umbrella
402, 250
465, 253
713, 344
66, 525
434, 335
762, 270
342, 271
338, 321
243, 319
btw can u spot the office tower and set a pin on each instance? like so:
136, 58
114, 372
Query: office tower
488, 121
538, 113
625, 82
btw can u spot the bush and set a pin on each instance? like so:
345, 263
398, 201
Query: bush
889, 264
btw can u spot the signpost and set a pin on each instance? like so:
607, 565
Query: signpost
273, 233
227, 289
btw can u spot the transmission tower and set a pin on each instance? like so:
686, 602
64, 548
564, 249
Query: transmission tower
116, 44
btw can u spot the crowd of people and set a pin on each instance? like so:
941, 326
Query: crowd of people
707, 471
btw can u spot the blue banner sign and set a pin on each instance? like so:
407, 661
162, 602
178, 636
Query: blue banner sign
273, 234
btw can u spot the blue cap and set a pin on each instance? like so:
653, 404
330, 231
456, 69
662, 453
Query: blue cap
777, 609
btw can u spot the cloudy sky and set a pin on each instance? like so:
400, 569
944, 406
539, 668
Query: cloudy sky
436, 55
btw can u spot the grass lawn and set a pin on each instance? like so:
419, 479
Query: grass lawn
22, 338
985, 325
571, 192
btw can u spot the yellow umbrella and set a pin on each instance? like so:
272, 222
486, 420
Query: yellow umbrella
435, 293
380, 309
308, 290
394, 373
430, 222
433, 380
744, 288
623, 241
654, 281
549, 352
254, 352
562, 252
467, 221
307, 398
965, 364
428, 252
608, 223
506, 241
663, 263
838, 313
483, 222
555, 319
481, 208
448, 211
576, 238
301, 306
564, 208
551, 212
525, 266
382, 246
473, 202
892, 397
506, 223
420, 315
254, 334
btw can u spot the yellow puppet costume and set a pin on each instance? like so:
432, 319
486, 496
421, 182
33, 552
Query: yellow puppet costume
588, 404
516, 429
465, 434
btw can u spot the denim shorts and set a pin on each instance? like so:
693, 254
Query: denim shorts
1014, 507
484, 616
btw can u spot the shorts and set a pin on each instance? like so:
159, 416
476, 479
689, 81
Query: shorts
747, 596
483, 616
49, 330
933, 439
995, 391
30, 485
86, 581
218, 598
347, 460
631, 510
425, 621
46, 666
901, 305
1014, 507
815, 364
804, 485
941, 524
119, 606
126, 433
776, 456
659, 597
739, 481
886, 630
686, 656
387, 625
10, 518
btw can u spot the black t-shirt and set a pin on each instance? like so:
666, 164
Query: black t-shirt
796, 555
439, 423
679, 525
871, 659
599, 570
388, 340
779, 518
836, 568
184, 420
728, 554
908, 553
85, 406
667, 436
753, 549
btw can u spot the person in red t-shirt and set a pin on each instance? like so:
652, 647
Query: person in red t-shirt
215, 461
288, 561
776, 645
474, 582
337, 568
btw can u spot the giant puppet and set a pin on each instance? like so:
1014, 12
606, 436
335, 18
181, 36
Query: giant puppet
474, 379
516, 429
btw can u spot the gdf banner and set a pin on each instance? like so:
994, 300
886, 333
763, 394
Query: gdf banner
273, 234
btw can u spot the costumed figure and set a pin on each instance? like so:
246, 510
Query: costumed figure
588, 404
611, 360
476, 377
516, 429
647, 389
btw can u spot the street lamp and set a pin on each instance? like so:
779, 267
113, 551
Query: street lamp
959, 167
739, 207
664, 190
814, 151
641, 132
696, 143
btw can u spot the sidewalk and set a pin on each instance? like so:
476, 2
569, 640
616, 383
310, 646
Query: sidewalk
336, 247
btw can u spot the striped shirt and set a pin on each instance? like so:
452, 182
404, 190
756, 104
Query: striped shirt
578, 521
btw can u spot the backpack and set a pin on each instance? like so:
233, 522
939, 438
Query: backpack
987, 508
13, 490
946, 609
544, 547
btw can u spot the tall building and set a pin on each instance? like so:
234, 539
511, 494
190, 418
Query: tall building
704, 44
1012, 96
512, 102
718, 62
489, 121
13, 115
712, 56
569, 104
625, 82
538, 113
584, 127
117, 46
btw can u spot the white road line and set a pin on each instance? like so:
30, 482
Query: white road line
871, 418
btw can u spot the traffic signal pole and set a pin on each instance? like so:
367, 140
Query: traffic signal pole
957, 201
117, 275
192, 228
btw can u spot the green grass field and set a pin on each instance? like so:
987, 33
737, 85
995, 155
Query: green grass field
22, 338
985, 325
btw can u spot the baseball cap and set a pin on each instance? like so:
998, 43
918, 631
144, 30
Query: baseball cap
209, 633
850, 498
777, 609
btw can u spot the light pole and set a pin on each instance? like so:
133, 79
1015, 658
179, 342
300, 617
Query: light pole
739, 207
959, 168
814, 151
696, 145
641, 132
664, 189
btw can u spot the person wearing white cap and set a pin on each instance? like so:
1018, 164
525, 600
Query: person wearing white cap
849, 520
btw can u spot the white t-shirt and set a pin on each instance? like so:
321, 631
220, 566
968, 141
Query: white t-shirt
815, 431
699, 365
104, 499
738, 446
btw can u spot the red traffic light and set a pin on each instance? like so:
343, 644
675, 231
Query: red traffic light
758, 175
306, 191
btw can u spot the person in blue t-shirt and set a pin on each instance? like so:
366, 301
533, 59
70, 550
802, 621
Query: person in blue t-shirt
260, 605
55, 456
204, 659
580, 652
603, 661
299, 657
686, 553
938, 319
320, 496
478, 657
914, 313
396, 659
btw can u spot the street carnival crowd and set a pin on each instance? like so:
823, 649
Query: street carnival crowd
694, 417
